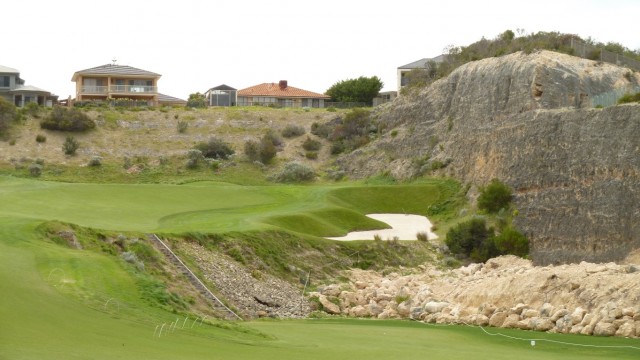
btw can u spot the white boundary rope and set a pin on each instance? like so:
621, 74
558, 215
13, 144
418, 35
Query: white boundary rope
535, 339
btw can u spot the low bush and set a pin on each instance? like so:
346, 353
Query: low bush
422, 236
95, 161
63, 119
41, 138
292, 130
215, 148
182, 126
494, 197
629, 98
194, 159
35, 170
311, 155
8, 115
263, 151
511, 241
70, 145
294, 172
311, 145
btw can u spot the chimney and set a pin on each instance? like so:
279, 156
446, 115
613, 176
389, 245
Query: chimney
283, 84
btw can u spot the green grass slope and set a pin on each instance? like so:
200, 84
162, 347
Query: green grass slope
43, 321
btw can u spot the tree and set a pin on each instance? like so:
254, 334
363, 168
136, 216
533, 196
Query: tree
362, 89
494, 197
196, 100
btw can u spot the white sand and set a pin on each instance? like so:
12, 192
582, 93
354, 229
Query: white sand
405, 227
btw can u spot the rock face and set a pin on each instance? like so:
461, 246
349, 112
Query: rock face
509, 292
527, 120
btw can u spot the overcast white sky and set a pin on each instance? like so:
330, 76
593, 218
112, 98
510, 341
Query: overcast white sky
199, 44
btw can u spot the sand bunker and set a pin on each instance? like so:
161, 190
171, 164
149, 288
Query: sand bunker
404, 227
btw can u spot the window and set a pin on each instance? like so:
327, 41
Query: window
5, 81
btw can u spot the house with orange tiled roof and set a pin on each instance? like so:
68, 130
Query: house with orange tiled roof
280, 94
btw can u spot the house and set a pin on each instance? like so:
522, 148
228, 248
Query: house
13, 89
420, 64
112, 81
384, 97
222, 95
280, 94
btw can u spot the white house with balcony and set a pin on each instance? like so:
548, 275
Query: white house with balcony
112, 81
13, 89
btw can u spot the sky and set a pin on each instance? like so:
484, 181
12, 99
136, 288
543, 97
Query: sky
197, 44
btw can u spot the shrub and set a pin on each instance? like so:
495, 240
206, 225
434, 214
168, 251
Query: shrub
472, 239
422, 236
35, 170
8, 115
95, 161
33, 109
64, 119
41, 138
252, 150
494, 197
321, 130
394, 133
629, 98
70, 145
294, 172
263, 151
311, 145
331, 109
311, 155
292, 131
215, 149
511, 241
194, 159
272, 136
182, 126
39, 161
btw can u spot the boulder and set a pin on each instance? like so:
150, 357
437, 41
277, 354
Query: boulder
433, 307
359, 311
577, 315
559, 314
331, 290
564, 324
481, 320
486, 309
518, 308
374, 309
498, 318
530, 313
628, 329
604, 329
546, 310
576, 329
511, 322
328, 306
540, 324
360, 285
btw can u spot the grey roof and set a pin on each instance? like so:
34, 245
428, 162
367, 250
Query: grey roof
29, 88
6, 69
166, 98
422, 63
113, 69
222, 87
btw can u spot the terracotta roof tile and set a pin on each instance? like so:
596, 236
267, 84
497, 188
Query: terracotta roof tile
273, 89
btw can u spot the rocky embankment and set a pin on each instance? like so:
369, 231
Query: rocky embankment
507, 292
252, 293
527, 120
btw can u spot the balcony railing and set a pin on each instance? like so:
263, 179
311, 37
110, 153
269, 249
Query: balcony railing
94, 89
128, 89
119, 89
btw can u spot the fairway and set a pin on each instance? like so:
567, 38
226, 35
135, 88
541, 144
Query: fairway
330, 210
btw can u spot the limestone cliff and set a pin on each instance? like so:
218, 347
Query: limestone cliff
527, 120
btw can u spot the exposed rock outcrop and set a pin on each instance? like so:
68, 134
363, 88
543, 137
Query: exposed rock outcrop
508, 292
527, 120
